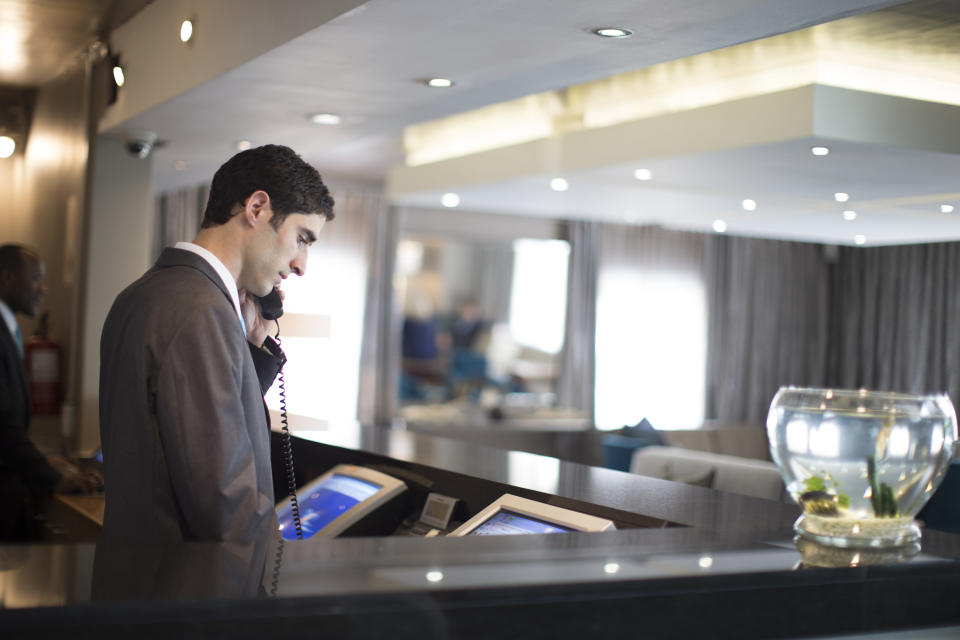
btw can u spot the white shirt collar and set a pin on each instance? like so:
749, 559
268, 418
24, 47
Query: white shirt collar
222, 271
8, 318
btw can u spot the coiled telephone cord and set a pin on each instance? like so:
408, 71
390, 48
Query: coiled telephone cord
286, 450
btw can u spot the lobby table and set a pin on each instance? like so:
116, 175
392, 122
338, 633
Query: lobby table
685, 562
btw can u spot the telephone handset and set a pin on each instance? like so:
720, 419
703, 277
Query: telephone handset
271, 308
271, 305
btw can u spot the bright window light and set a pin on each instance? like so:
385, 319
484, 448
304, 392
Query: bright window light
651, 349
538, 297
322, 372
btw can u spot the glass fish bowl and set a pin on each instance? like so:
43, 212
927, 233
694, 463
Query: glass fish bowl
860, 463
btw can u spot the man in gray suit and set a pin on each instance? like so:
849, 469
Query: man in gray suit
183, 427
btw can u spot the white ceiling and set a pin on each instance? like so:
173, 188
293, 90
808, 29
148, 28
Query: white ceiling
365, 65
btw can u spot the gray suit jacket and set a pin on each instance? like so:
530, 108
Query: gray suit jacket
186, 446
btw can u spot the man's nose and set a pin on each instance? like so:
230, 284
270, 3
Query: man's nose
299, 263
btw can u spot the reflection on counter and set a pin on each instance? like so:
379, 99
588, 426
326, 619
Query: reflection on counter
816, 555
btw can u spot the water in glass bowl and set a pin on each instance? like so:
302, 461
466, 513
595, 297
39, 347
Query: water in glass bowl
861, 464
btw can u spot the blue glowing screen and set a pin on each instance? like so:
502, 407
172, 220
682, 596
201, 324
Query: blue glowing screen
324, 503
506, 523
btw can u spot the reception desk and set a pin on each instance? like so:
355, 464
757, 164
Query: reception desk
684, 562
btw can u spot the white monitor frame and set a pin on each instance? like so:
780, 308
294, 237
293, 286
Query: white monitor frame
539, 510
390, 487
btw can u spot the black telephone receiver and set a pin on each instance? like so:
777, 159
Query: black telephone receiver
271, 305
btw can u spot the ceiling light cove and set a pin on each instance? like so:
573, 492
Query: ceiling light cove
860, 239
820, 151
840, 196
326, 118
749, 205
720, 226
643, 174
243, 145
438, 83
613, 32
450, 200
849, 215
946, 208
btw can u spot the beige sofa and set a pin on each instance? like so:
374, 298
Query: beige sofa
735, 474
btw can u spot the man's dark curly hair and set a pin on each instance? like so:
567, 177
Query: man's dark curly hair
292, 184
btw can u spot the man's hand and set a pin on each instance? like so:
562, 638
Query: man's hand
76, 481
258, 327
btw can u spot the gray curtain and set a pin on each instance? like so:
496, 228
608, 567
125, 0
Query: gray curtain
380, 352
895, 317
494, 281
575, 388
768, 316
177, 216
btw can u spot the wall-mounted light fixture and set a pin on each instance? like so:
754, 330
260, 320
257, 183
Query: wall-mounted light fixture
118, 77
7, 146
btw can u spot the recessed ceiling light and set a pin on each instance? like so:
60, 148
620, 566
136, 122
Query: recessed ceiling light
860, 239
643, 174
439, 83
325, 118
840, 196
180, 165
7, 146
819, 151
450, 200
719, 226
186, 30
243, 145
559, 184
946, 208
749, 205
613, 32
849, 214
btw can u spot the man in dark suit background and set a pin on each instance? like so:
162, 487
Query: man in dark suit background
26, 476
184, 432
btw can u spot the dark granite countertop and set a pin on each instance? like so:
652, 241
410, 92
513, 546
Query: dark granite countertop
732, 569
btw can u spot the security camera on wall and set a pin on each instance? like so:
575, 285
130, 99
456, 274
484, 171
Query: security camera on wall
141, 143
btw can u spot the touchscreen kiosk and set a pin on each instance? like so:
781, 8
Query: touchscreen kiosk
338, 499
513, 515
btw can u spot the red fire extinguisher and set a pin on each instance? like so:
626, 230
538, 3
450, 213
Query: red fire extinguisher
43, 360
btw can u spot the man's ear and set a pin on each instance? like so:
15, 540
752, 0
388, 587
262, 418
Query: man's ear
256, 208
